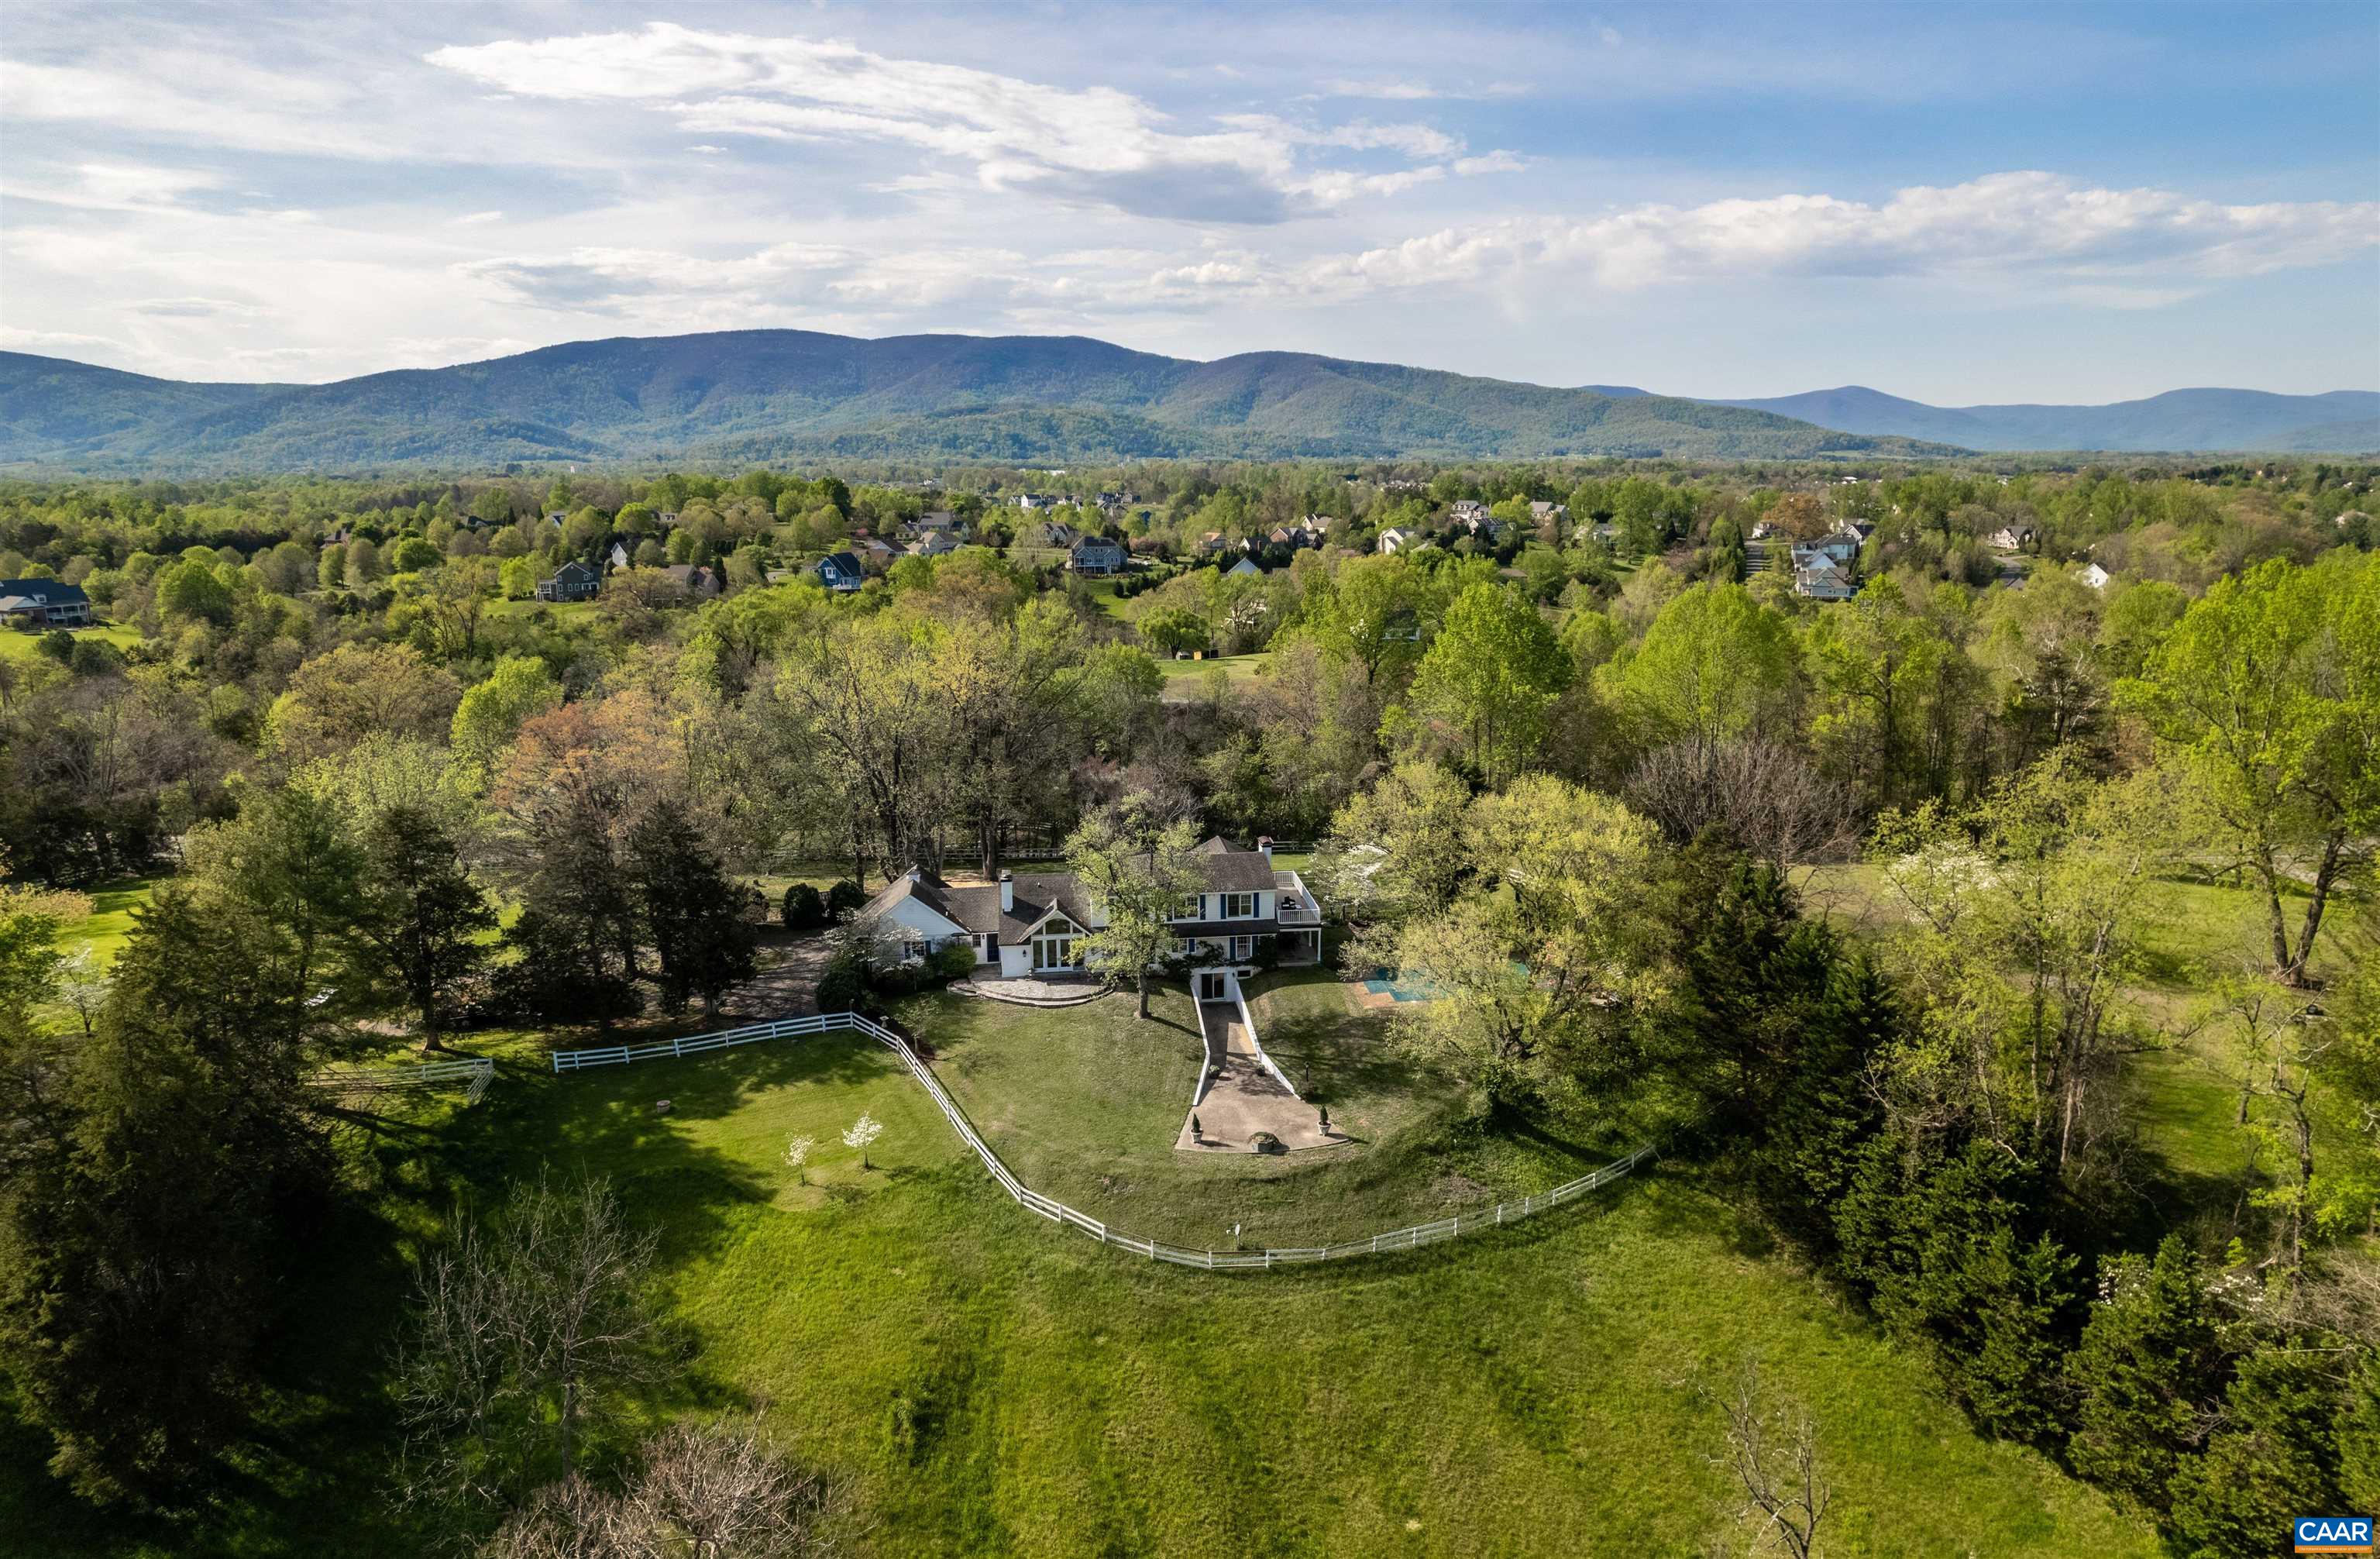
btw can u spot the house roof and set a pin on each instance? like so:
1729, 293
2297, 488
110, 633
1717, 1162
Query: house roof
842, 562
1099, 543
975, 908
1230, 868
47, 592
1224, 867
574, 569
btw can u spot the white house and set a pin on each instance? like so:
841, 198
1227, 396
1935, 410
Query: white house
1031, 924
2011, 538
1394, 540
1820, 576
2095, 576
1243, 568
48, 603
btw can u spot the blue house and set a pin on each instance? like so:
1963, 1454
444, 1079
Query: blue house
840, 571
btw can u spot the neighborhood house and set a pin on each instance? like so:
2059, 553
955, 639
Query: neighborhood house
1031, 924
1096, 554
840, 571
573, 581
43, 603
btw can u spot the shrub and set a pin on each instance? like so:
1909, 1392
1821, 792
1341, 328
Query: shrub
841, 984
955, 961
804, 908
843, 898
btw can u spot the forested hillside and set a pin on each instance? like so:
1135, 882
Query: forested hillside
764, 394
2346, 421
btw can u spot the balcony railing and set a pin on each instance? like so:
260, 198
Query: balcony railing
1297, 907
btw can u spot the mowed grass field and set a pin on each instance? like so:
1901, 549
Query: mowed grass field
981, 1381
1189, 680
103, 931
24, 646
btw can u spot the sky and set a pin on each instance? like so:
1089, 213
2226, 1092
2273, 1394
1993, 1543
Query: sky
1955, 204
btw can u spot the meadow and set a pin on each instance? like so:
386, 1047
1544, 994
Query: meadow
17, 645
977, 1380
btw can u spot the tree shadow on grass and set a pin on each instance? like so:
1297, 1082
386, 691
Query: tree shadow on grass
329, 1442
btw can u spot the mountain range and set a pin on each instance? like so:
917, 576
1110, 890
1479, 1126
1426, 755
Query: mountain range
2339, 422
754, 396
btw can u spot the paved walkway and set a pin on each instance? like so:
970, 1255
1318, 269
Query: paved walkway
1246, 1098
1025, 991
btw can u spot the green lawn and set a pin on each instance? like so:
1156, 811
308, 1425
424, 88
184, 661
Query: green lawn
24, 646
110, 922
980, 1381
565, 612
1187, 681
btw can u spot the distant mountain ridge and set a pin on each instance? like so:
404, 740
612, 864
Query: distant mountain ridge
763, 394
2341, 421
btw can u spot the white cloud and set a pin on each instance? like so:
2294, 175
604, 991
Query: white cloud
2109, 247
1092, 145
478, 219
1397, 89
241, 106
61, 343
1498, 161
115, 187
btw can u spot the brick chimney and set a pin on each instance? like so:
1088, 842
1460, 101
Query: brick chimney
1007, 892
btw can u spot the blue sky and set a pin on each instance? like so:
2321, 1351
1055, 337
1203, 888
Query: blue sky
1959, 204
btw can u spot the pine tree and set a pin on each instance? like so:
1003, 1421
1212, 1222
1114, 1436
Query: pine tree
144, 1250
2275, 1457
2147, 1362
420, 916
693, 912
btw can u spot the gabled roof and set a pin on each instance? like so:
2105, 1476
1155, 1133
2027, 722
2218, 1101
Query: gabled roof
976, 907
1230, 868
842, 562
49, 592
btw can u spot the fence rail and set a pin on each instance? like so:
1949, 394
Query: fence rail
478, 1070
1408, 1239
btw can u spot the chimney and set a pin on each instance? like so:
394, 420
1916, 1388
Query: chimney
1264, 847
1007, 892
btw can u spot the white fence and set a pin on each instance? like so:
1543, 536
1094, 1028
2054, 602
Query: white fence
477, 1070
1408, 1239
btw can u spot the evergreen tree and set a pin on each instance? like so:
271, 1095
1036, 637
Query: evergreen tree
143, 1250
420, 916
2147, 1361
572, 947
2276, 1456
1939, 1241
693, 912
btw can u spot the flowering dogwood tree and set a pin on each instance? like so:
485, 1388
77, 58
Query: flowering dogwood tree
863, 1130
